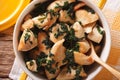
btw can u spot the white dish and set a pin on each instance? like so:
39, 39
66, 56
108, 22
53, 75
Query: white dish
104, 54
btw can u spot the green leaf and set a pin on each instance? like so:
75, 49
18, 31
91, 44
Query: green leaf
100, 30
26, 37
48, 43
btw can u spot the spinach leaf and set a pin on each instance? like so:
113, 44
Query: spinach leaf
69, 57
77, 75
65, 6
59, 33
40, 8
48, 43
63, 29
35, 30
58, 6
49, 67
89, 9
76, 47
41, 59
51, 54
100, 30
26, 37
69, 7
70, 11
70, 39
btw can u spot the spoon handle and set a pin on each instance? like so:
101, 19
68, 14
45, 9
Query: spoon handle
109, 68
98, 60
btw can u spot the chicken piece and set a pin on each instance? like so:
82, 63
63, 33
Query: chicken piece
45, 21
86, 17
82, 59
79, 5
31, 65
58, 50
27, 17
42, 47
79, 31
84, 46
56, 5
28, 24
27, 41
64, 17
55, 31
51, 75
88, 28
96, 35
65, 75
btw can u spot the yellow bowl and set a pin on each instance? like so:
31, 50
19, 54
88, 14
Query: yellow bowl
9, 12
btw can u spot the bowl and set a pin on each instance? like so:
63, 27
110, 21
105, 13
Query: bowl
11, 11
94, 70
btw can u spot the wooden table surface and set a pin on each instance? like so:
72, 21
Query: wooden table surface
6, 53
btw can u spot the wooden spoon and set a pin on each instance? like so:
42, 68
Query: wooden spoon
99, 61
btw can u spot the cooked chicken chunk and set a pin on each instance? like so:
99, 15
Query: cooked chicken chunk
89, 27
27, 41
32, 65
84, 46
58, 50
95, 35
64, 17
55, 32
28, 24
82, 59
56, 5
79, 31
85, 17
44, 21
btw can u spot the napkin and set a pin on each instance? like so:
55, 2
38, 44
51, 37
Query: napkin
111, 11
16, 71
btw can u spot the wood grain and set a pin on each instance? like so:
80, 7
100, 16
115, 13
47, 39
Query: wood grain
6, 53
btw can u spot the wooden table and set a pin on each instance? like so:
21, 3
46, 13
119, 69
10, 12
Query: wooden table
6, 53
